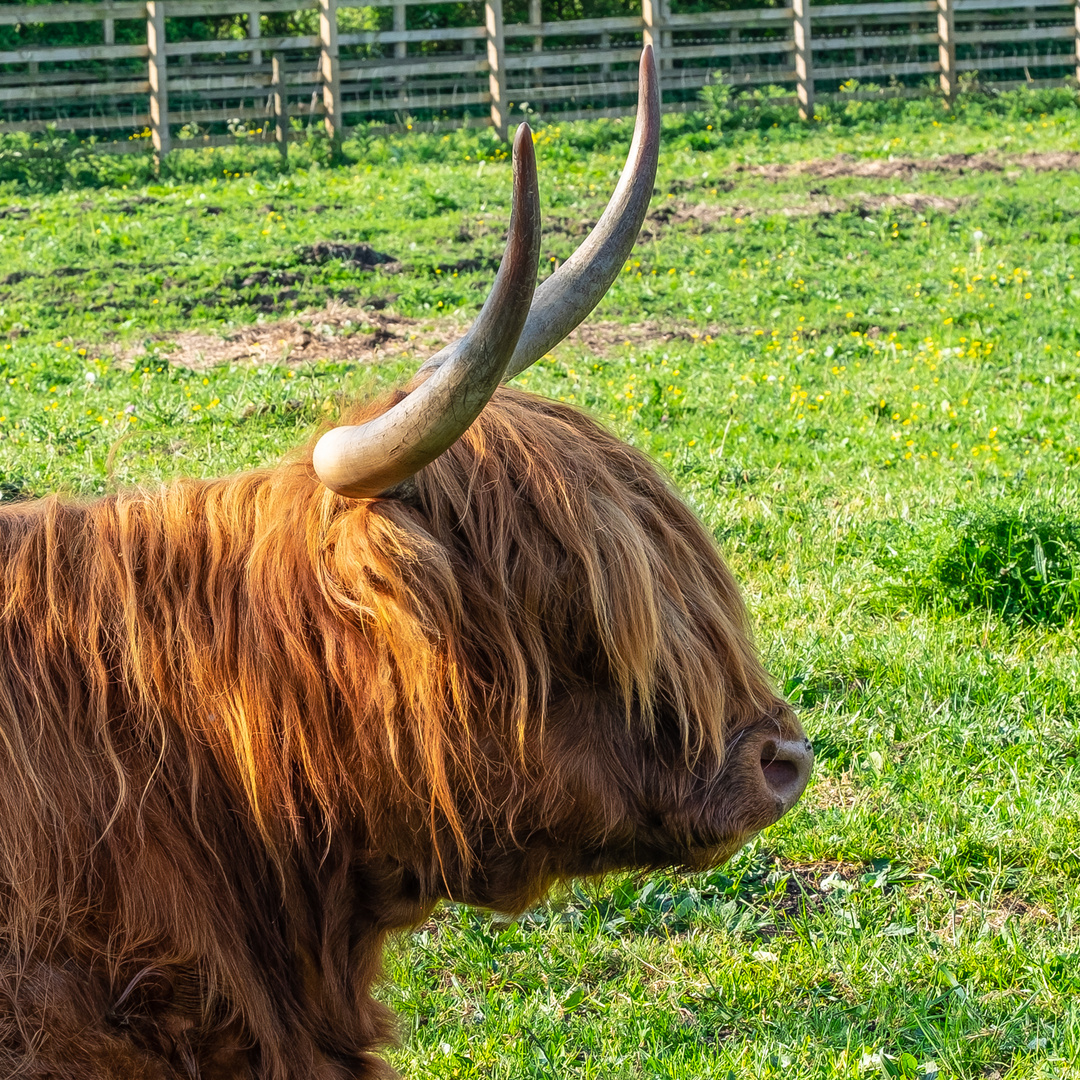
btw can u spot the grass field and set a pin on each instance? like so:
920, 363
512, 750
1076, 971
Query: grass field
855, 347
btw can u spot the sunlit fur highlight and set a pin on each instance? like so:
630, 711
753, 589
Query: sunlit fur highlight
249, 727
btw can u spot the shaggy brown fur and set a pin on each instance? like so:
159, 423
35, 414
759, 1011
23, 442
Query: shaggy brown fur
249, 727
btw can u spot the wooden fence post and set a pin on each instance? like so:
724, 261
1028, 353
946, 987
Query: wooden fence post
536, 17
108, 36
280, 104
159, 87
804, 59
496, 54
1076, 9
401, 49
946, 33
329, 68
255, 31
652, 16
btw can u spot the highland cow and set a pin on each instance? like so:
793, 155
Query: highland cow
466, 646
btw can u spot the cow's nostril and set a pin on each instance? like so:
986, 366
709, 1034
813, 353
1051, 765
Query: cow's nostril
779, 774
785, 767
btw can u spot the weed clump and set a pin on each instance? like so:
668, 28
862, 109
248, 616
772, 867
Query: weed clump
1022, 563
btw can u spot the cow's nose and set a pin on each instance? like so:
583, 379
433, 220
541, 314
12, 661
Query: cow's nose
786, 765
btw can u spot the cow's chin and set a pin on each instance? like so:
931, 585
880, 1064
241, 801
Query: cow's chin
694, 856
696, 823
513, 879
703, 846
708, 858
515, 882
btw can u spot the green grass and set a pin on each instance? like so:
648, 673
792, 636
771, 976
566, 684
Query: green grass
854, 379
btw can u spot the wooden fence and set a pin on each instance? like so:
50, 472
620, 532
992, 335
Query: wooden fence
150, 78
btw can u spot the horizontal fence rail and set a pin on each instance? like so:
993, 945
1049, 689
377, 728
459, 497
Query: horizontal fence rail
178, 72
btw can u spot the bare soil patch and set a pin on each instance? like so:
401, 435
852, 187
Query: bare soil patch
602, 338
704, 217
363, 335
336, 332
994, 916
362, 255
846, 165
834, 793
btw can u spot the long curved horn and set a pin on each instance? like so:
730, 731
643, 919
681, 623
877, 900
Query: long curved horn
567, 297
369, 459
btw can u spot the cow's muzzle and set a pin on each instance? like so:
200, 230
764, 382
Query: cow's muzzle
785, 766
766, 770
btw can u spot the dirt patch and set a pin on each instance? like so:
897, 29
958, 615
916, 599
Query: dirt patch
845, 165
271, 277
469, 266
363, 255
910, 200
128, 206
604, 338
977, 915
367, 335
564, 226
336, 332
813, 883
833, 793
704, 218
60, 272
810, 884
